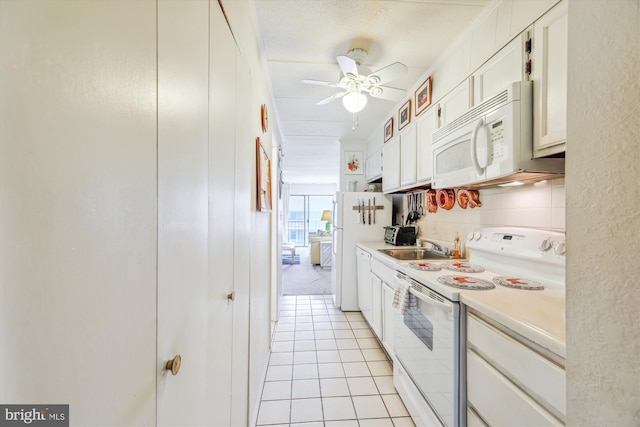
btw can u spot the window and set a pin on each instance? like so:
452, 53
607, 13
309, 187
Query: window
304, 217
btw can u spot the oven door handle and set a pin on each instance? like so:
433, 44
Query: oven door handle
446, 307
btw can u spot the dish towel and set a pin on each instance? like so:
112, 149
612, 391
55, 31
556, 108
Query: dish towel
402, 298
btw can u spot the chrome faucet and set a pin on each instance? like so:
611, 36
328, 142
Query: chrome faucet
436, 246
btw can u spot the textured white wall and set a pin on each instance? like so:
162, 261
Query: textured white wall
603, 220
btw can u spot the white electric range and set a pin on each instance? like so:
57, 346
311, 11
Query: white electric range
507, 267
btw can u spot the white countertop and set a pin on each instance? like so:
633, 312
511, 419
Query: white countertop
538, 316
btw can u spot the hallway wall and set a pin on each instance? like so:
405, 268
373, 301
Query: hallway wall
108, 204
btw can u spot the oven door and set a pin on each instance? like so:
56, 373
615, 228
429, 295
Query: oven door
427, 346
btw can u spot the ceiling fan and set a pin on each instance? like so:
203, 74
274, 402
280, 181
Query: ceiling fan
354, 83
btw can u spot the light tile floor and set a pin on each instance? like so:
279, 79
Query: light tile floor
327, 370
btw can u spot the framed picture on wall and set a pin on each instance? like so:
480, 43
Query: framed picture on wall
353, 161
263, 173
388, 130
423, 96
404, 115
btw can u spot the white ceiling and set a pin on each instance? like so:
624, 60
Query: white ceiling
301, 39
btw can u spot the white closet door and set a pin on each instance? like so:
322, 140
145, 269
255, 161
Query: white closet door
244, 181
183, 125
78, 212
222, 222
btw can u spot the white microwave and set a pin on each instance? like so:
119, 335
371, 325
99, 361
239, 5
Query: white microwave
492, 143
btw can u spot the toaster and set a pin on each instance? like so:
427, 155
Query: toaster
401, 235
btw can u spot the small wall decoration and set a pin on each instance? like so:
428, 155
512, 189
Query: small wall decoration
353, 162
264, 118
388, 130
423, 96
404, 115
263, 172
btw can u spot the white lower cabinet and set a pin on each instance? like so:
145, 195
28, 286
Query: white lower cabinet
369, 291
376, 306
510, 383
363, 265
384, 307
387, 317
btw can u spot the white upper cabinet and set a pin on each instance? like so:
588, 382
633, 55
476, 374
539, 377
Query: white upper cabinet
391, 165
455, 103
427, 123
505, 67
373, 167
549, 74
408, 162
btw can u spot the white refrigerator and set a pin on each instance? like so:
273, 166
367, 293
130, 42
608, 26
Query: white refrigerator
357, 217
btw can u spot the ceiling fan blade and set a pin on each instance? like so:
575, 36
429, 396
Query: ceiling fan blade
388, 73
318, 82
388, 93
331, 98
347, 65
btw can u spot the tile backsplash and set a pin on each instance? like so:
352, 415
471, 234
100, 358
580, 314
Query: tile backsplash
539, 205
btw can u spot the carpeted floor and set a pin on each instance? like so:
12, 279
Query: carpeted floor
305, 278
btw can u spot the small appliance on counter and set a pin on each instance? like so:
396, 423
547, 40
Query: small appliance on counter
401, 235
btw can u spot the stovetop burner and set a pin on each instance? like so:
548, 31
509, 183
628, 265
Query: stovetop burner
466, 282
517, 283
425, 266
464, 267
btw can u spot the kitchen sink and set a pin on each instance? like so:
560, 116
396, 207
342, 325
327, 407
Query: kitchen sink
411, 254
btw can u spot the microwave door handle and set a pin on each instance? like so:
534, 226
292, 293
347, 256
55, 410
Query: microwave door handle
474, 147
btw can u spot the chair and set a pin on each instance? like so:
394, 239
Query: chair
291, 248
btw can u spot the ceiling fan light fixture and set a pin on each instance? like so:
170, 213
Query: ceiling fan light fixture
354, 101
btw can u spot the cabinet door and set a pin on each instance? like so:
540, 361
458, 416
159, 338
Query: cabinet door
455, 103
363, 265
376, 306
368, 169
549, 71
504, 68
408, 156
373, 168
391, 165
388, 313
427, 124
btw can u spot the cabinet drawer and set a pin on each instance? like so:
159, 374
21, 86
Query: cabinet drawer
499, 401
383, 272
534, 373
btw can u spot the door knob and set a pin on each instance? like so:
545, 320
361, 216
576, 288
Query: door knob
173, 365
231, 296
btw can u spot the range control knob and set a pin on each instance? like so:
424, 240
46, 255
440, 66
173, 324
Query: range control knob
545, 245
478, 236
560, 248
470, 236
